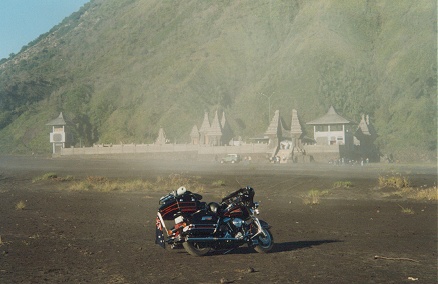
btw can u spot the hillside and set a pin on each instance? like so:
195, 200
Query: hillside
120, 69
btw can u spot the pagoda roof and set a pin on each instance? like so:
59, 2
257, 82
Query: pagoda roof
161, 139
215, 128
57, 121
365, 127
273, 127
195, 132
205, 127
223, 120
331, 117
295, 126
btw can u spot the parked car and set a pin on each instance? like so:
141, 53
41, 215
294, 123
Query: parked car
231, 158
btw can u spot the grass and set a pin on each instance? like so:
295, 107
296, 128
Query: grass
52, 176
169, 183
402, 188
174, 181
313, 196
46, 176
102, 184
20, 205
218, 183
344, 184
422, 193
404, 210
396, 181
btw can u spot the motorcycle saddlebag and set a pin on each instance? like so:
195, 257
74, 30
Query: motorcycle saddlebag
202, 224
185, 204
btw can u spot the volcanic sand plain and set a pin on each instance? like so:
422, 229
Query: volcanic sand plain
355, 231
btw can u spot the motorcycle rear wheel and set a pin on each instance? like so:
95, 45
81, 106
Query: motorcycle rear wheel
265, 243
196, 249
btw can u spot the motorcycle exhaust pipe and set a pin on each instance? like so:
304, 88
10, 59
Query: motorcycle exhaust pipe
210, 239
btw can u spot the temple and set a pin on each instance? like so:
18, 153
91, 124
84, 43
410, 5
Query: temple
217, 133
332, 129
335, 138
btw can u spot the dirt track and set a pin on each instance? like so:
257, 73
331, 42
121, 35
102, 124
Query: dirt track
91, 237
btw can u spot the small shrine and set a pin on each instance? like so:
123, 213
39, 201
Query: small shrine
194, 135
57, 136
161, 139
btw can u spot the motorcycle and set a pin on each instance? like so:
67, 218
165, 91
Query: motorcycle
201, 227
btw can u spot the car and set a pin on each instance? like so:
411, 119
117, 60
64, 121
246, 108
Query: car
231, 158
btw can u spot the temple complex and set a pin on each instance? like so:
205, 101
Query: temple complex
335, 138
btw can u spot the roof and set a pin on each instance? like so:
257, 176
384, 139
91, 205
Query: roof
195, 132
273, 127
205, 127
215, 128
365, 128
223, 120
161, 139
331, 117
295, 127
57, 121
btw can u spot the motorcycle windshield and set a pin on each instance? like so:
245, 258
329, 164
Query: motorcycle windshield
243, 194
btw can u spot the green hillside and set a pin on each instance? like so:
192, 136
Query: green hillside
120, 69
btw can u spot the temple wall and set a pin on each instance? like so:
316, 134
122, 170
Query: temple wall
258, 152
165, 148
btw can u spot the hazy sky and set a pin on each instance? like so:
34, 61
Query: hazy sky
22, 21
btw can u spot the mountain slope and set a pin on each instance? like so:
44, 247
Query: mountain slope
120, 69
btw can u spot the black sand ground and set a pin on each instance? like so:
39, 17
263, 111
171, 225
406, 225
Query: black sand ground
90, 237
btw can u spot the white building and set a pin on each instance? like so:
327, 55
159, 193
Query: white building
58, 136
332, 129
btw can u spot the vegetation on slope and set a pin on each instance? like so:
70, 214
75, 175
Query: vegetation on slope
120, 69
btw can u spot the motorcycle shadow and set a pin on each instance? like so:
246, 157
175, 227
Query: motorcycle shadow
279, 247
290, 246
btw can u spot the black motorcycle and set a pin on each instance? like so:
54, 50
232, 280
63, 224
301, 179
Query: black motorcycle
201, 227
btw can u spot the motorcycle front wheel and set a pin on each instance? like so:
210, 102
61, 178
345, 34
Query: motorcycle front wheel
265, 242
196, 249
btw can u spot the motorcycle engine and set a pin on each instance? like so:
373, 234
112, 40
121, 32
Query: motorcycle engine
233, 228
237, 223
238, 228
